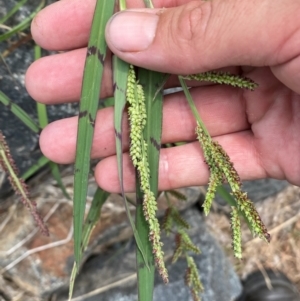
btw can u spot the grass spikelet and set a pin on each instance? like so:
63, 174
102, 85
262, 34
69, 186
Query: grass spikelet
192, 279
223, 78
221, 168
236, 233
8, 165
138, 154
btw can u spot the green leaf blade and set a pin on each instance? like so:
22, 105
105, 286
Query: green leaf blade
22, 25
93, 216
121, 69
93, 72
19, 112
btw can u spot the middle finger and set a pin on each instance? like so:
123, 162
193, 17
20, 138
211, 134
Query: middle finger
221, 109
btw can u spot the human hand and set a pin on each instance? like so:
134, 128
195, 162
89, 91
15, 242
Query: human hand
257, 39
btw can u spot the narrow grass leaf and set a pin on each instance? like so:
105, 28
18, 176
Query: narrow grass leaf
42, 161
107, 102
19, 112
222, 191
22, 25
145, 276
92, 218
120, 71
43, 121
57, 176
12, 11
162, 84
41, 108
92, 78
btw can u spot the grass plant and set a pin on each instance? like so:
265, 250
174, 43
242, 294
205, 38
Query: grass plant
6, 160
145, 114
140, 92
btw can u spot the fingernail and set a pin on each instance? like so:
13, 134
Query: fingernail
131, 31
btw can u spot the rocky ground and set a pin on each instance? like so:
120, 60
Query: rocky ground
35, 267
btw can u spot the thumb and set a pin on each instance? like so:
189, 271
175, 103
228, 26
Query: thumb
206, 35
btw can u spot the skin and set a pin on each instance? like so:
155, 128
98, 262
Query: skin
259, 39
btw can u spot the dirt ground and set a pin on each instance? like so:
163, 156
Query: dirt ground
281, 215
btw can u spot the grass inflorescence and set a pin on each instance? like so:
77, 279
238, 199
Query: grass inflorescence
138, 153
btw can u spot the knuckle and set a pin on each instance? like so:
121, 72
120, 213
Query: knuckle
193, 21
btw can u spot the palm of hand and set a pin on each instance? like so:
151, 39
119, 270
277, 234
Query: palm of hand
273, 113
258, 129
